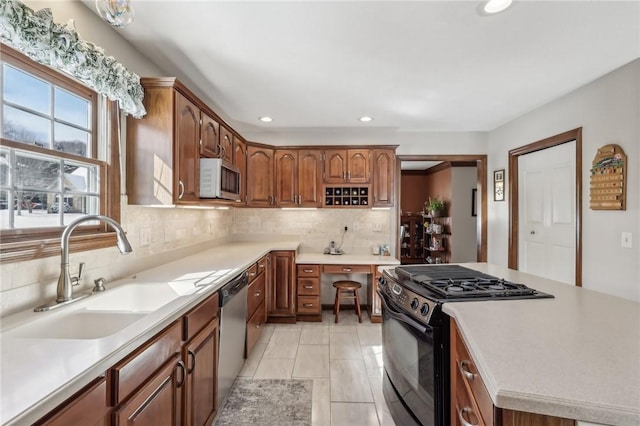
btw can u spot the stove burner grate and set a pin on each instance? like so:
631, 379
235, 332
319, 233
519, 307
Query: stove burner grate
476, 287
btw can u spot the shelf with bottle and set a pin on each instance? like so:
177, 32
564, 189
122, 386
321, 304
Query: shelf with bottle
436, 235
411, 239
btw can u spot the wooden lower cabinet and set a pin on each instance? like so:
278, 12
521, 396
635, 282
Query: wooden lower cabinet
200, 394
87, 407
470, 400
158, 402
281, 293
308, 307
256, 296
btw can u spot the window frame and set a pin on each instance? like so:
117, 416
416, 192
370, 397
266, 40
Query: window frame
35, 243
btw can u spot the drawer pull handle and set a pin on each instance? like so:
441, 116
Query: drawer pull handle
261, 265
308, 286
181, 366
465, 371
258, 325
346, 269
257, 294
253, 274
461, 415
308, 271
308, 305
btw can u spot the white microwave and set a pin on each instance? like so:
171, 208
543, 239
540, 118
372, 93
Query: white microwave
219, 180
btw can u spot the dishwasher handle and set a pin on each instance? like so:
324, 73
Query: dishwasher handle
233, 287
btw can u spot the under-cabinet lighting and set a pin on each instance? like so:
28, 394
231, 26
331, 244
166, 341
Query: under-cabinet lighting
298, 208
380, 208
204, 207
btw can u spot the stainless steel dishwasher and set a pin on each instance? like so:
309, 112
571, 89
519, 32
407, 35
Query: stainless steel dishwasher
233, 327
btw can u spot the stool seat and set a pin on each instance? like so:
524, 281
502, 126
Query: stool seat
346, 289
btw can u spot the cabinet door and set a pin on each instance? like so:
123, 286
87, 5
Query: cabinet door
200, 357
187, 153
286, 178
358, 166
209, 137
283, 290
158, 402
259, 177
335, 165
240, 161
226, 145
384, 166
87, 407
309, 178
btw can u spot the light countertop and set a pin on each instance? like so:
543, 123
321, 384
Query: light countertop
345, 259
38, 374
575, 356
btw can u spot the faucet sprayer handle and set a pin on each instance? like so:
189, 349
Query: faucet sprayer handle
76, 280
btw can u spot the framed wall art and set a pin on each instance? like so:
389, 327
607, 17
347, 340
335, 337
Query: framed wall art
498, 185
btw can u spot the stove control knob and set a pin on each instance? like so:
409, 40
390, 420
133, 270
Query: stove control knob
415, 304
424, 310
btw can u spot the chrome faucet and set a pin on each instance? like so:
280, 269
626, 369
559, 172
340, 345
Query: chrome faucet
65, 282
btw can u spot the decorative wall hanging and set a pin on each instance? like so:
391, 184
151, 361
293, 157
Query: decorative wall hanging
608, 187
59, 46
498, 185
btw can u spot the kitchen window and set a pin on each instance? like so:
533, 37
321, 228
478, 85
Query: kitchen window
55, 165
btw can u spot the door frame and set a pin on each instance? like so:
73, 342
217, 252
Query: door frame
514, 154
481, 185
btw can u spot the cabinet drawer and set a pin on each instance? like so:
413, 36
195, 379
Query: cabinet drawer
255, 294
308, 271
135, 369
252, 272
254, 327
201, 315
468, 374
309, 305
262, 264
87, 407
309, 286
465, 408
346, 269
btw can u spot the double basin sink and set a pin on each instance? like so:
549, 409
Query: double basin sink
102, 314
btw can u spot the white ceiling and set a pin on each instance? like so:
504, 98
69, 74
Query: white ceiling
413, 66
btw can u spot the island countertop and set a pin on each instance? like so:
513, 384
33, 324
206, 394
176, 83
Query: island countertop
575, 356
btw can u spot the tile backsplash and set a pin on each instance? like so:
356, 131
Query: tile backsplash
160, 235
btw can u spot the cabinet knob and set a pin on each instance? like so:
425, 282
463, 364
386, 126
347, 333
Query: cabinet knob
308, 286
308, 271
257, 294
308, 305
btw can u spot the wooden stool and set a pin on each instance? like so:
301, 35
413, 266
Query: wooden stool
343, 290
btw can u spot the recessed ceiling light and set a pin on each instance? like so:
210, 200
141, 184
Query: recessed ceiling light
366, 119
496, 6
266, 119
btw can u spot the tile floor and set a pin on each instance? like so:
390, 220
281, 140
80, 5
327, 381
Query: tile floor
344, 361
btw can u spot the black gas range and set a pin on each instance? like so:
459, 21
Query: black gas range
415, 334
422, 289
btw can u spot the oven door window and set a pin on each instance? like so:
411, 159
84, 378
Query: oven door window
413, 363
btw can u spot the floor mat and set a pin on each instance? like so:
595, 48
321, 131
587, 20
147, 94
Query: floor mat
268, 402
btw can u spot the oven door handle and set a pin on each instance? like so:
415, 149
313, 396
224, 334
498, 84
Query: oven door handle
400, 316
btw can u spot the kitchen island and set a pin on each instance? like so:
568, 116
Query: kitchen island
576, 356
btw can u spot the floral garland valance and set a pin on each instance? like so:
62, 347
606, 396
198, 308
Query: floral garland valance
59, 46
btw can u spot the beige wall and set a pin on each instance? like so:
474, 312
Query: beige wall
463, 237
608, 111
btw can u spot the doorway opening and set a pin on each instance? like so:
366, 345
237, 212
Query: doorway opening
480, 162
515, 215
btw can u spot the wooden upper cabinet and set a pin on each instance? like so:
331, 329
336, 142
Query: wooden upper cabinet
286, 163
309, 178
240, 161
347, 166
384, 166
226, 145
260, 176
209, 137
187, 150
335, 166
359, 166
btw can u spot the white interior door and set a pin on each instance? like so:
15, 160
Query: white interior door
547, 213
